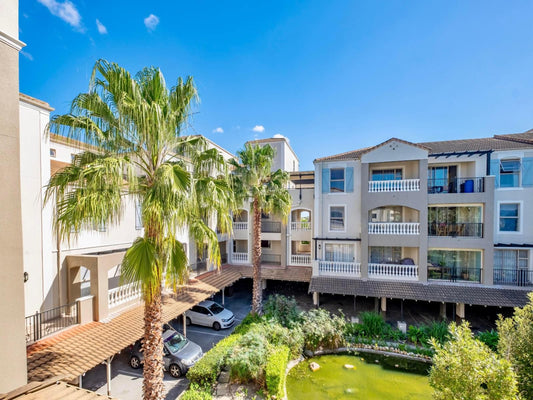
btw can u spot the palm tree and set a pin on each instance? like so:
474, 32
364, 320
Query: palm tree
135, 125
267, 192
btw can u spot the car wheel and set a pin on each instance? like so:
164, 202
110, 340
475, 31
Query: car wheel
135, 363
216, 326
187, 321
174, 370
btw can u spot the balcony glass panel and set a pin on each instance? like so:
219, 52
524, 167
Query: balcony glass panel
455, 221
454, 265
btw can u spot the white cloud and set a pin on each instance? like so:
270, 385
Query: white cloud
102, 30
151, 22
258, 128
66, 10
218, 130
27, 55
280, 136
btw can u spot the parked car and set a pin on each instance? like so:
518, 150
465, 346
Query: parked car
209, 313
179, 353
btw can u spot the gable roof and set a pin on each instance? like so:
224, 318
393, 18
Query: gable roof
497, 142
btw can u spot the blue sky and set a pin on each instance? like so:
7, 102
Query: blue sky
331, 76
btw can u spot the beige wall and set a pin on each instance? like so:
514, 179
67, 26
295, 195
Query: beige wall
11, 274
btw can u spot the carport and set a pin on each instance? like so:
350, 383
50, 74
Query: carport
75, 351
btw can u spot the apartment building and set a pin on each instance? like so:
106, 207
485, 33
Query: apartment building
439, 221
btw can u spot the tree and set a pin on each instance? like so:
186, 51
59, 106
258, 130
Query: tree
516, 345
267, 192
464, 368
134, 125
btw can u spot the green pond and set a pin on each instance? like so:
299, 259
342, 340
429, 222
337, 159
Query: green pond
368, 380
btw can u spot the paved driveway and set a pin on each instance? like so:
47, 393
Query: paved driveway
126, 383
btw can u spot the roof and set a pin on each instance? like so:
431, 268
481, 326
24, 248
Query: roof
52, 389
292, 273
36, 102
497, 142
439, 292
76, 350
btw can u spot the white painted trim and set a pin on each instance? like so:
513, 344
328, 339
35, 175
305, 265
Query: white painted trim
520, 218
329, 218
11, 41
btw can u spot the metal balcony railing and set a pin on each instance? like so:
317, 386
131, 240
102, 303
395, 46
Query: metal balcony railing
45, 323
456, 185
270, 226
454, 274
462, 229
513, 277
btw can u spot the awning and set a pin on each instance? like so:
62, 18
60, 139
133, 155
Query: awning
52, 389
77, 350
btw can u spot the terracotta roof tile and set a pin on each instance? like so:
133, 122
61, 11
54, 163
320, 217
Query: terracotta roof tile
52, 389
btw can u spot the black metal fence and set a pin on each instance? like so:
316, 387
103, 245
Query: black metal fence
45, 323
462, 229
271, 259
454, 274
270, 226
457, 185
513, 277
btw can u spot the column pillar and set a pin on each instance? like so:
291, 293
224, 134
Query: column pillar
316, 299
383, 306
442, 311
184, 325
459, 312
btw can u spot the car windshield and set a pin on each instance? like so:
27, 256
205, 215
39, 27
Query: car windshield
215, 308
175, 342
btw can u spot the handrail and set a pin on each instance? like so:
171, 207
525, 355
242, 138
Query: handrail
394, 228
402, 185
393, 271
339, 268
47, 322
124, 294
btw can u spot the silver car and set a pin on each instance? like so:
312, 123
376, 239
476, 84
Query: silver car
209, 313
180, 354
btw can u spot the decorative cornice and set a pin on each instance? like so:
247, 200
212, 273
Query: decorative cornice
11, 41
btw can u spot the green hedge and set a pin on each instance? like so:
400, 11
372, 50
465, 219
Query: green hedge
205, 372
196, 393
275, 371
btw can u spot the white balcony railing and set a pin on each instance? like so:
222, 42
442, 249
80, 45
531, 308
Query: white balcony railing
404, 185
394, 228
300, 259
240, 226
124, 294
239, 258
301, 226
393, 271
337, 268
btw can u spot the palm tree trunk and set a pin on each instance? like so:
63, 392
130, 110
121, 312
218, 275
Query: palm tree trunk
257, 292
153, 348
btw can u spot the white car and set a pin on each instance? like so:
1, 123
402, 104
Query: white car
209, 313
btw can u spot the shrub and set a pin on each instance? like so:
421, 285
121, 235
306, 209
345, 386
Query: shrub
252, 350
437, 330
354, 330
283, 310
195, 392
205, 372
490, 338
322, 330
247, 323
275, 371
373, 324
278, 335
417, 335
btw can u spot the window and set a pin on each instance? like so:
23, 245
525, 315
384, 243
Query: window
336, 218
383, 255
138, 216
442, 179
509, 217
386, 214
337, 180
339, 252
394, 174
266, 244
511, 259
510, 173
52, 152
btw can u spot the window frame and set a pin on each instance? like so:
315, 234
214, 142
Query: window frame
518, 217
395, 169
518, 172
343, 206
343, 180
516, 256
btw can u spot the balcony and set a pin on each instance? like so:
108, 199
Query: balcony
456, 185
240, 226
301, 226
461, 229
394, 228
402, 185
393, 271
454, 274
338, 268
513, 277
239, 258
42, 324
271, 259
301, 259
122, 295
270, 226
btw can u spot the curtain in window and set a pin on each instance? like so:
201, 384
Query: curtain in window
339, 252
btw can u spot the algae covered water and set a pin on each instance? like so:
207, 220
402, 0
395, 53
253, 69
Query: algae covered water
367, 380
